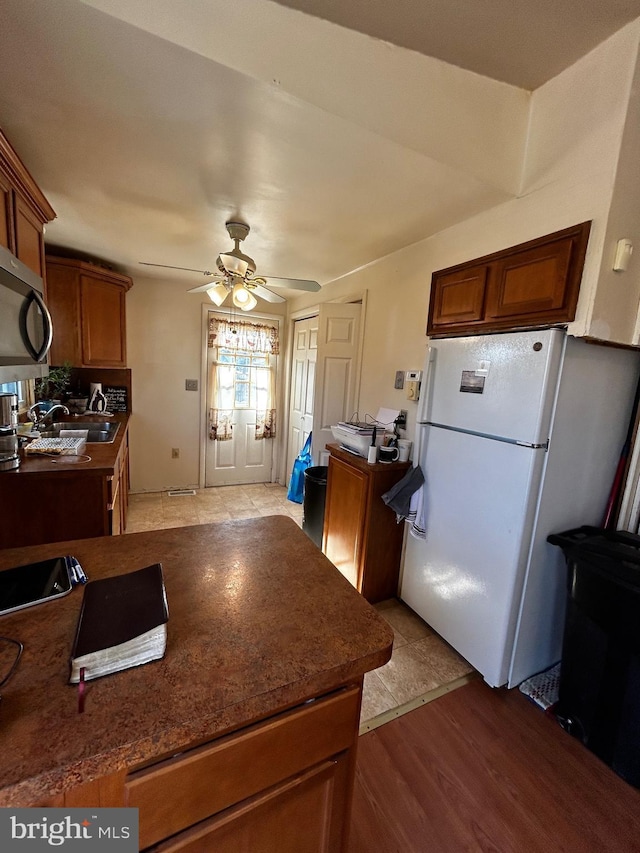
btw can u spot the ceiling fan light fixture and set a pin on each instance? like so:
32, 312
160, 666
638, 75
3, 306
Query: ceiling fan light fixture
217, 293
242, 298
250, 304
234, 265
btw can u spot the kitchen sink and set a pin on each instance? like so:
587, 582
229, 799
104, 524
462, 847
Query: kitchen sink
103, 432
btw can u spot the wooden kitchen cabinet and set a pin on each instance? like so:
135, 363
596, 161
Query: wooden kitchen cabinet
360, 534
87, 305
288, 778
532, 284
46, 502
24, 210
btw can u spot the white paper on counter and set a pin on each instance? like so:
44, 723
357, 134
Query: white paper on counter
387, 417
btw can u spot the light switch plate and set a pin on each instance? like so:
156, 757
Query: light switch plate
190, 384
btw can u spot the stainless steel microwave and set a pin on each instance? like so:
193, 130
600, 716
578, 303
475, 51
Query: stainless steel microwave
25, 324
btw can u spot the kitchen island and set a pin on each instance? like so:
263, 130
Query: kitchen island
244, 733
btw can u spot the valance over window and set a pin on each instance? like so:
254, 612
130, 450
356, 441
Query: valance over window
239, 335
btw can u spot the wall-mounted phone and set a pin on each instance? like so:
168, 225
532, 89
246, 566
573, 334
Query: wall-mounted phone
413, 379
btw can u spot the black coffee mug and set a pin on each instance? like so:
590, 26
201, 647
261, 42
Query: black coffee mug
388, 454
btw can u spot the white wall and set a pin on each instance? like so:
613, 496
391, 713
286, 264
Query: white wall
164, 348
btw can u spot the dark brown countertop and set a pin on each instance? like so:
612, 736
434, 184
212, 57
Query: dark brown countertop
259, 620
103, 456
361, 463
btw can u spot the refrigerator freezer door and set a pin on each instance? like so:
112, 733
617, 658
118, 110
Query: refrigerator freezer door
466, 578
501, 385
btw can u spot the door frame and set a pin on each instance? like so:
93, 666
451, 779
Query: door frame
304, 314
278, 319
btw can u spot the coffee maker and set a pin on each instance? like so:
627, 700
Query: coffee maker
9, 455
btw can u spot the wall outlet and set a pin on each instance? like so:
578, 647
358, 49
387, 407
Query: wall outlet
190, 384
401, 420
175, 452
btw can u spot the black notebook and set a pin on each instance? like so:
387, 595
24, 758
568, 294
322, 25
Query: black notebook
123, 623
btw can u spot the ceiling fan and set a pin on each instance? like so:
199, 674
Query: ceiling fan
236, 276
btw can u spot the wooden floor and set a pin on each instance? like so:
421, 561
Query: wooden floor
486, 770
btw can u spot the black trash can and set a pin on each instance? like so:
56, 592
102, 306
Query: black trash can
315, 493
599, 691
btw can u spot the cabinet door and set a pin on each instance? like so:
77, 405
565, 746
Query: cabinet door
295, 817
345, 514
231, 772
6, 213
29, 237
532, 282
63, 300
457, 297
103, 323
124, 488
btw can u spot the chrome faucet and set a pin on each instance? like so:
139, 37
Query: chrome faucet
39, 418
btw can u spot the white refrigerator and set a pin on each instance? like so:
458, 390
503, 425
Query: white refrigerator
518, 436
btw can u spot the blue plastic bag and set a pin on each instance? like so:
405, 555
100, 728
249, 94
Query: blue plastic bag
303, 461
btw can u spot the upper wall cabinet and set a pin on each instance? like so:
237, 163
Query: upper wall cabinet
87, 305
535, 283
23, 210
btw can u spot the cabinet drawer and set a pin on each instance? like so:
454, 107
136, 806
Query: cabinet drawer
188, 788
294, 817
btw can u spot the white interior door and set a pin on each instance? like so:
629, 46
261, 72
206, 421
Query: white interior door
337, 370
241, 459
303, 374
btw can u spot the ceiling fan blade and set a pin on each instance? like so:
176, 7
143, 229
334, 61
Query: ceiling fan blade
264, 293
168, 267
293, 283
201, 288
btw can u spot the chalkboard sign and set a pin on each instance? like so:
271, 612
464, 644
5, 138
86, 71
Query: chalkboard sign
117, 398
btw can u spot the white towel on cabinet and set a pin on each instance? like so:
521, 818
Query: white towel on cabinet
416, 517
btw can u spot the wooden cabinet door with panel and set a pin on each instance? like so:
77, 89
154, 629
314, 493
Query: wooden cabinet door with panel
533, 282
458, 297
87, 305
6, 214
29, 236
24, 210
345, 511
103, 322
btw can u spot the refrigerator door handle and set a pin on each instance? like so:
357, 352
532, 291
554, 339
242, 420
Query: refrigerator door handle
425, 386
528, 444
544, 445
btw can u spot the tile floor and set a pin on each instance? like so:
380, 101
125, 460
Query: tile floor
422, 666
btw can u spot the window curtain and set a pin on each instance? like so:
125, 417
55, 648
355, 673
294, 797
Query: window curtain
239, 335
242, 337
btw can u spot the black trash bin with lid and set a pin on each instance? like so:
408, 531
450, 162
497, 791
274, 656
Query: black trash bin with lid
599, 692
315, 493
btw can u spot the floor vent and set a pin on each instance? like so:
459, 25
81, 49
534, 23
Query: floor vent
178, 493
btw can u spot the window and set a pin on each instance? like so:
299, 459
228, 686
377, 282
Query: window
242, 376
22, 389
243, 379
